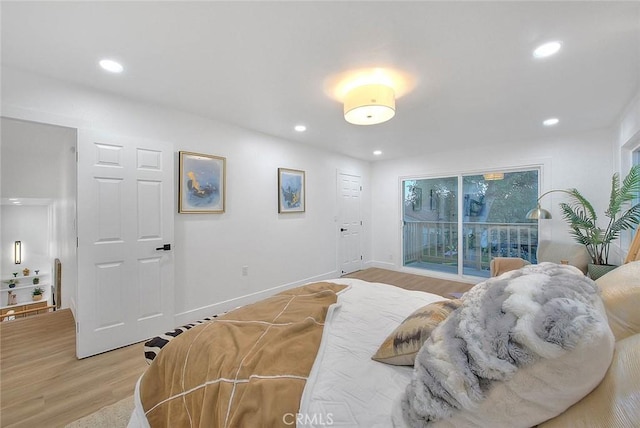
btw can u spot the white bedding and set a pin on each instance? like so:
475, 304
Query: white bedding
346, 388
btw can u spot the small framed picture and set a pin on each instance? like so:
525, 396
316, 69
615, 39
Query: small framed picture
291, 193
201, 183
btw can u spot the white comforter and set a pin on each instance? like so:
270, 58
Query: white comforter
346, 388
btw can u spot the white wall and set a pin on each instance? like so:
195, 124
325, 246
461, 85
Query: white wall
29, 224
581, 161
31, 159
210, 250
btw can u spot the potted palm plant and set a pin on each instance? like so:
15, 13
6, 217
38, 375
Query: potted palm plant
37, 293
622, 213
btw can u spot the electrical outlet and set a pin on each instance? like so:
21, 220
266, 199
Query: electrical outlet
245, 270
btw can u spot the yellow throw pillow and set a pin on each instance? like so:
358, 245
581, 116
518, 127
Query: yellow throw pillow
615, 403
401, 347
621, 297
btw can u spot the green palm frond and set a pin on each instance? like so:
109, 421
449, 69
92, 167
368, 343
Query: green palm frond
614, 197
582, 217
577, 216
621, 194
631, 182
628, 220
581, 201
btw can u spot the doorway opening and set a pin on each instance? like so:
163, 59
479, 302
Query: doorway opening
37, 218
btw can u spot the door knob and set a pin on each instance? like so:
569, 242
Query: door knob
165, 247
342, 229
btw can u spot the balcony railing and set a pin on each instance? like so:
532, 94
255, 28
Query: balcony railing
436, 242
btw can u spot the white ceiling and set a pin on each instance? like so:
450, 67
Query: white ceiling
265, 65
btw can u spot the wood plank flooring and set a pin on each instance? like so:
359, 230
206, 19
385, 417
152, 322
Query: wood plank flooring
43, 384
409, 281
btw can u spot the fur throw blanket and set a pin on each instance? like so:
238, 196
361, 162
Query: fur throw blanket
537, 313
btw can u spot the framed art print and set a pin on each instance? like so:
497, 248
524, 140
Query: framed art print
291, 194
201, 183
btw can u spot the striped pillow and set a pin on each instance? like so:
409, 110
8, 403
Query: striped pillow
401, 347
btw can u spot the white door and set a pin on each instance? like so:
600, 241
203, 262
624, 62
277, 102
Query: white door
125, 218
349, 223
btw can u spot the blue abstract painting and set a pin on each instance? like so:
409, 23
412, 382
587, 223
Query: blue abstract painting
201, 183
291, 190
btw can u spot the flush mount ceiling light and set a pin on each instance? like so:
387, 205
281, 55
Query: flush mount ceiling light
551, 121
356, 89
547, 49
111, 66
300, 128
377, 152
369, 104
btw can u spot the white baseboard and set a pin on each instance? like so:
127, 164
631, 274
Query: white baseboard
381, 265
221, 307
72, 307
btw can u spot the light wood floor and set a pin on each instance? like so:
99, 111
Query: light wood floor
441, 287
43, 384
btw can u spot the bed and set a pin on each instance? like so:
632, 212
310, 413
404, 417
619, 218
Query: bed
324, 374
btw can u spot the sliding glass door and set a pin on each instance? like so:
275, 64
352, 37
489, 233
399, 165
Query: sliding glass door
430, 232
457, 224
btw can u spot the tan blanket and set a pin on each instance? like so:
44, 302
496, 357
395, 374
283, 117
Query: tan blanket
247, 368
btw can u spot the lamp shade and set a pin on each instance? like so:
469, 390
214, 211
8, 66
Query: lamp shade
538, 213
491, 176
369, 104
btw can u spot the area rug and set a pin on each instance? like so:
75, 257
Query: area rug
113, 416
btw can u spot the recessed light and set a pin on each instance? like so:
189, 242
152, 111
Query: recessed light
300, 128
111, 66
377, 152
547, 49
551, 121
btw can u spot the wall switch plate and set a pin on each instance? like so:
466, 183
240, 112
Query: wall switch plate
245, 270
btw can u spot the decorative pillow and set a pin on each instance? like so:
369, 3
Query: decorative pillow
621, 297
554, 252
401, 347
521, 349
615, 402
